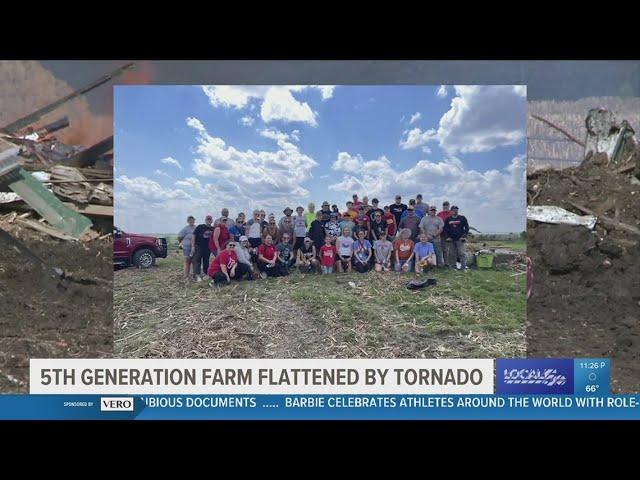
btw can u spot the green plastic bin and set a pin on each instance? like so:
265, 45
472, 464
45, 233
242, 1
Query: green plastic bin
484, 260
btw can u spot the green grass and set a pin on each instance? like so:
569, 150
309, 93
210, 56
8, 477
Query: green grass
519, 245
473, 313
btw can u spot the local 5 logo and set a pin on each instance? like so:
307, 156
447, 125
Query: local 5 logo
531, 375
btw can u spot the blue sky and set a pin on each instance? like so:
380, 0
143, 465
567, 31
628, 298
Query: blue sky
191, 150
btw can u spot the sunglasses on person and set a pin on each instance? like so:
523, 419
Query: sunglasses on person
232, 245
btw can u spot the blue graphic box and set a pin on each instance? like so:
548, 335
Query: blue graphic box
534, 375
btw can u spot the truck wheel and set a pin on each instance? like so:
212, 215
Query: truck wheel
144, 258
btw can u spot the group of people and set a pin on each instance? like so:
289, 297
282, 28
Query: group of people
399, 237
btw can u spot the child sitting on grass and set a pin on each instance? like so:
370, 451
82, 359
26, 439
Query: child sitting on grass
425, 254
382, 249
344, 243
328, 255
403, 247
362, 253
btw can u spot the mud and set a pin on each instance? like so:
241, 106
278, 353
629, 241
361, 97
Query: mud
41, 317
586, 300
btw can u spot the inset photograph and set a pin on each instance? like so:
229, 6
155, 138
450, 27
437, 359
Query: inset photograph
583, 232
324, 221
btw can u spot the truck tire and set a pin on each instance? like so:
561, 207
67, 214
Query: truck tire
144, 258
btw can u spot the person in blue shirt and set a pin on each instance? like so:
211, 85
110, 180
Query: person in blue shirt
425, 254
419, 213
237, 230
362, 253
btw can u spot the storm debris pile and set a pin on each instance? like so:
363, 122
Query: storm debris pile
586, 287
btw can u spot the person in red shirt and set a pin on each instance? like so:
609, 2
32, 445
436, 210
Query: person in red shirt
390, 219
268, 258
356, 202
444, 214
226, 266
328, 254
220, 237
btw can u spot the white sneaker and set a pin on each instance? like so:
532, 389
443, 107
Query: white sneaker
198, 278
263, 275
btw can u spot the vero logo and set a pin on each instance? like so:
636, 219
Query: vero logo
116, 404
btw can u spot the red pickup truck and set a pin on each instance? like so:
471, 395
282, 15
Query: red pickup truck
137, 250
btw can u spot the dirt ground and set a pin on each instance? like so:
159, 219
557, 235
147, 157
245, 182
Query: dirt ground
468, 314
586, 300
41, 317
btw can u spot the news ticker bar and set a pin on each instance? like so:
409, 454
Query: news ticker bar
319, 407
583, 376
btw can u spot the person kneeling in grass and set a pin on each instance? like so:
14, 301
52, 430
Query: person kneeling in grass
226, 266
328, 254
245, 256
268, 258
382, 249
403, 247
425, 254
307, 261
285, 254
362, 253
344, 243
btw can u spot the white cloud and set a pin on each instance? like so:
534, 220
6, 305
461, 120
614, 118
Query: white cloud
277, 135
258, 176
482, 118
277, 102
247, 121
442, 91
475, 192
347, 163
149, 190
415, 117
172, 161
162, 173
416, 138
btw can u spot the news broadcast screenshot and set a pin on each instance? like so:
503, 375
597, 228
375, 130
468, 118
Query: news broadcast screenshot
319, 240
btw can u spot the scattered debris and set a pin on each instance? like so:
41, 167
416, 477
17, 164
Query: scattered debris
551, 214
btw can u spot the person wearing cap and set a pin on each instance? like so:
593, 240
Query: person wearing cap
299, 229
226, 265
334, 209
220, 237
225, 214
316, 230
310, 216
390, 220
307, 261
244, 254
457, 228
237, 230
356, 202
421, 207
397, 208
332, 227
253, 230
374, 208
412, 222
271, 229
326, 211
412, 203
444, 214
287, 214
184, 238
200, 247
433, 225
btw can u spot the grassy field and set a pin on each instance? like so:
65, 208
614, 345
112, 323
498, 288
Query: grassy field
475, 313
